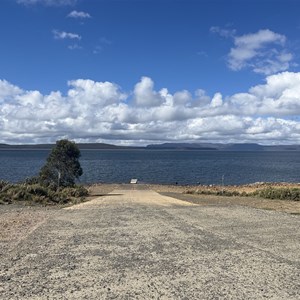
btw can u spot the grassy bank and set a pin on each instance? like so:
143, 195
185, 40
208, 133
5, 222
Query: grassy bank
279, 191
37, 194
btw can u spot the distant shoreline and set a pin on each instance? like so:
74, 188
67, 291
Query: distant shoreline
164, 146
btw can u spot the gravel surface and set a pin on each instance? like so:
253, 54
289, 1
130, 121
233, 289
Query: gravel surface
17, 222
137, 244
292, 207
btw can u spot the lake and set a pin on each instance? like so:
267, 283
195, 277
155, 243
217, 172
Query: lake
164, 166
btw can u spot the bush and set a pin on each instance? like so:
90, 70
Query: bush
279, 193
3, 184
32, 180
76, 192
216, 192
37, 190
36, 193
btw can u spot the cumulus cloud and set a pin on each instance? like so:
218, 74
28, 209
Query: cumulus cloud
100, 111
62, 35
48, 2
144, 95
7, 90
79, 15
217, 100
95, 93
278, 97
262, 51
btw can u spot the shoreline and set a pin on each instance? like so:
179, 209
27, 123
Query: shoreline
214, 187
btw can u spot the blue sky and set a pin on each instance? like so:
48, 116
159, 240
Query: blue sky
148, 71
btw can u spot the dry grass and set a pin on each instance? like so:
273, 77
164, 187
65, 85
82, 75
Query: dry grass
212, 195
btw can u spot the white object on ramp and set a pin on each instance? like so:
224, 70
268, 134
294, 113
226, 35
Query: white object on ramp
134, 181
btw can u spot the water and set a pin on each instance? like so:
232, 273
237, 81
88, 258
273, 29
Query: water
161, 166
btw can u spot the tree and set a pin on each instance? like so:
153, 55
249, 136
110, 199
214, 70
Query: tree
62, 167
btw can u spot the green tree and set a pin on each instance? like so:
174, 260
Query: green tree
62, 167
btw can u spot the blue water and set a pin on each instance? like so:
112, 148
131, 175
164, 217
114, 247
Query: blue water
161, 166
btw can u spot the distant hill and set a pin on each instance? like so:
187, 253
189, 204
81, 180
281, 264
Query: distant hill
223, 147
99, 146
243, 147
164, 146
26, 147
182, 146
282, 148
82, 146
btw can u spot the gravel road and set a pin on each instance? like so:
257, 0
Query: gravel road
137, 244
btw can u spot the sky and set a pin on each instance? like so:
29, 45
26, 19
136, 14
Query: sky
138, 72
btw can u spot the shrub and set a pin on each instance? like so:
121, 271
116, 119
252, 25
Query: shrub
37, 189
36, 193
76, 192
279, 193
32, 180
3, 184
216, 192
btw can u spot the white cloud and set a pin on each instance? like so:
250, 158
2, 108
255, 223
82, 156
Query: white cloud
264, 52
101, 111
98, 49
48, 2
223, 32
8, 90
144, 95
62, 35
74, 47
217, 100
94, 93
182, 97
79, 15
278, 97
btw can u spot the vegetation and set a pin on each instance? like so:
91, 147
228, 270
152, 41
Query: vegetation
282, 193
38, 194
55, 183
215, 192
279, 193
62, 167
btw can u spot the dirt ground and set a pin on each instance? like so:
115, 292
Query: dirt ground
177, 191
17, 221
137, 244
